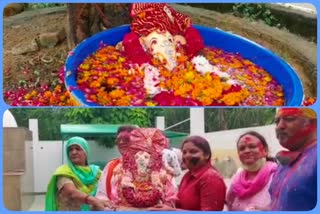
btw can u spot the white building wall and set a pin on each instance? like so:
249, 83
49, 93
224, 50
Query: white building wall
47, 157
197, 126
227, 139
8, 120
99, 153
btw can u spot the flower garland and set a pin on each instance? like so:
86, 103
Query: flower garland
107, 78
142, 197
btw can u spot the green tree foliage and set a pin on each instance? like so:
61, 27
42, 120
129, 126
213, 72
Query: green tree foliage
141, 117
176, 115
47, 120
229, 118
254, 11
217, 119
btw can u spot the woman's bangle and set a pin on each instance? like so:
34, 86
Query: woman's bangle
86, 199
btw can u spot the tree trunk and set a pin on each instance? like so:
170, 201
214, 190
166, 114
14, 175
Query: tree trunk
118, 14
13, 9
222, 121
84, 20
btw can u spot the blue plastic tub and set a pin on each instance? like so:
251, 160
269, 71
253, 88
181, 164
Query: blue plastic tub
261, 56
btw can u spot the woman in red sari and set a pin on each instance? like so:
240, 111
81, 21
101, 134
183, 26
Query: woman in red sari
202, 187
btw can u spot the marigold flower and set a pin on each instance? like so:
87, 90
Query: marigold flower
107, 71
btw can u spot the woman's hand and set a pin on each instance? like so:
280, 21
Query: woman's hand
257, 208
100, 205
109, 205
161, 207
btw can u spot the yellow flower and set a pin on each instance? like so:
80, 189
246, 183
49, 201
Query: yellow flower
112, 81
150, 103
189, 76
205, 100
85, 66
267, 78
279, 94
95, 84
123, 101
62, 98
117, 93
47, 94
121, 59
208, 77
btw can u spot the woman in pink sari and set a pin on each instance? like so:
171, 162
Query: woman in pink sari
249, 186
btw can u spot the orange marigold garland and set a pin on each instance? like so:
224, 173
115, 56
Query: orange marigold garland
107, 78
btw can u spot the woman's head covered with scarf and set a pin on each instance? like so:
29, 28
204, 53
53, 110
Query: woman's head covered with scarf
88, 173
295, 127
79, 141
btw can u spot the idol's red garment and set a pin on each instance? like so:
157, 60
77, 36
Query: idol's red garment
203, 189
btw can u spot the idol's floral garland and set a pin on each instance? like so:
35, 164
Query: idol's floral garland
139, 190
107, 78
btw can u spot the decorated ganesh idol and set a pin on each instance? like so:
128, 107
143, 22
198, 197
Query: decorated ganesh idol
143, 180
157, 31
160, 33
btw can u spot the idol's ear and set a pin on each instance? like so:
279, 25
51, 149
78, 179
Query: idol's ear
131, 42
134, 50
179, 39
143, 43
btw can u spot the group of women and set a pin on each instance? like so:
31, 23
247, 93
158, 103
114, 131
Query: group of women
75, 184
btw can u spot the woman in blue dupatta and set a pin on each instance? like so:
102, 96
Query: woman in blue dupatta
73, 185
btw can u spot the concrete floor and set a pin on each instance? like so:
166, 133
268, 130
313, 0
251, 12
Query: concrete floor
39, 203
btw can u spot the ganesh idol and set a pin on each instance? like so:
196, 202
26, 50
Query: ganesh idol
143, 179
158, 32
